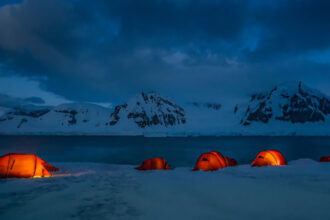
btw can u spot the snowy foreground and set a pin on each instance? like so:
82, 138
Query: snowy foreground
300, 190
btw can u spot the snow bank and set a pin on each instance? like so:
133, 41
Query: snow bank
300, 190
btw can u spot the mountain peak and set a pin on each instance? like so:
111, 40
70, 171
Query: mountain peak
294, 102
149, 109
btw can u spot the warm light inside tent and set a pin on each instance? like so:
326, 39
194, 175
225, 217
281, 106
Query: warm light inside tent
213, 161
24, 166
269, 158
154, 164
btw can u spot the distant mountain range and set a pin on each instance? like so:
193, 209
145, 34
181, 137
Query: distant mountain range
287, 109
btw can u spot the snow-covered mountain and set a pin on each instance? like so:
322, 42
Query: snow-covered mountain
288, 109
148, 110
66, 118
139, 115
291, 102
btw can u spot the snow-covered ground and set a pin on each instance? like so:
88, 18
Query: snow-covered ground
300, 190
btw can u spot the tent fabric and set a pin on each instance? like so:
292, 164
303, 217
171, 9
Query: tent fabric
325, 159
24, 166
269, 158
154, 164
213, 160
230, 162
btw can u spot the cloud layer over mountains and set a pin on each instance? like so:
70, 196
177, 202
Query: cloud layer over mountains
105, 51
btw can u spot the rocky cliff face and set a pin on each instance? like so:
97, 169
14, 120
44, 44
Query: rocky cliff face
148, 110
293, 102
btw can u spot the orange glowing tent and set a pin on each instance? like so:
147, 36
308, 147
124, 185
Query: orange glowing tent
154, 164
325, 159
24, 166
213, 160
269, 158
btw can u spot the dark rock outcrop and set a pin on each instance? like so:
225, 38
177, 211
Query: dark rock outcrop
209, 105
71, 114
115, 115
23, 112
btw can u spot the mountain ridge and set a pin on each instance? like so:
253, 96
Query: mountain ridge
296, 103
287, 109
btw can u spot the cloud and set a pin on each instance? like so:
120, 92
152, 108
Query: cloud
291, 28
26, 88
14, 102
107, 51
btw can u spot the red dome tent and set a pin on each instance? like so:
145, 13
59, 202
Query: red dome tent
213, 161
24, 166
269, 158
325, 159
154, 164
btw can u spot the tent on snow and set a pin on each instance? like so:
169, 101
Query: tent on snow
269, 158
24, 166
213, 161
230, 162
325, 159
154, 164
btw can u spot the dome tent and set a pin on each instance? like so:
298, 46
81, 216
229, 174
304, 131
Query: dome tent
213, 160
154, 164
269, 158
24, 166
325, 159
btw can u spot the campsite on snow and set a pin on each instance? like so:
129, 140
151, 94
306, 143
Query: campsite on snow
111, 178
164, 109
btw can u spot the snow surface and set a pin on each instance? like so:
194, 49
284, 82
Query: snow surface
300, 190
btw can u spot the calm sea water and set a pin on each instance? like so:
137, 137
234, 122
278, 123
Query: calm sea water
178, 151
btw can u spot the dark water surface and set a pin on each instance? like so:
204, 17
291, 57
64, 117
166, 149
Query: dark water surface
178, 151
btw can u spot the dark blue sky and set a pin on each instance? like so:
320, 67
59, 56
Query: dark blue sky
107, 51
